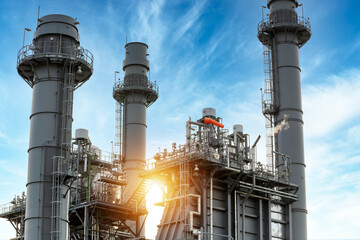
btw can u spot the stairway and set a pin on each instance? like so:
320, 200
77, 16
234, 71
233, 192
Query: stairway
138, 195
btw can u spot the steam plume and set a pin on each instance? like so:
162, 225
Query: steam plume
284, 125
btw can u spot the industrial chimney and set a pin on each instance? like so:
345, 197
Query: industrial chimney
283, 33
135, 93
53, 65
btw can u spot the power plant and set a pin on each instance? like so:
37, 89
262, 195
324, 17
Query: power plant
213, 184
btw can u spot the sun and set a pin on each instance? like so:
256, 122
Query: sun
154, 195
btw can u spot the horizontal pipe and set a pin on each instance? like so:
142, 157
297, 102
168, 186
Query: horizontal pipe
213, 122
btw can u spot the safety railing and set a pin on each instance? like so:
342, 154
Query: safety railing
137, 84
55, 47
290, 20
10, 207
269, 1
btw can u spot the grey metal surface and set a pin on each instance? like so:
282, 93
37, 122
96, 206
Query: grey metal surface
56, 35
284, 32
136, 93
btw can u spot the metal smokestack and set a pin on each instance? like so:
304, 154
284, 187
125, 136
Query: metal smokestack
283, 33
49, 66
135, 93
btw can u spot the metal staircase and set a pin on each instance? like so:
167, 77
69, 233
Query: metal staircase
138, 195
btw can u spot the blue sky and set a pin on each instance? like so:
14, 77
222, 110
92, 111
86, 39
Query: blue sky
202, 53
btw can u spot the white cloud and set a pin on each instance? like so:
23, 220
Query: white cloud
189, 19
332, 104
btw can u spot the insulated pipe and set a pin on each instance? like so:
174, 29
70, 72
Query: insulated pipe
213, 122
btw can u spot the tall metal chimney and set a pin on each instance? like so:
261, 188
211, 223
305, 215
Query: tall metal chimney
135, 93
53, 65
283, 33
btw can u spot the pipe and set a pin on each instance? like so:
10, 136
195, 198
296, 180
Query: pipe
97, 224
77, 167
86, 226
196, 213
213, 122
256, 141
204, 206
211, 208
235, 210
217, 235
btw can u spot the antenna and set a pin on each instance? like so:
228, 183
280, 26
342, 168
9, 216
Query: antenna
126, 40
38, 12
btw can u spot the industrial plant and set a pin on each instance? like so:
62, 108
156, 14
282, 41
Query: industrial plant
214, 186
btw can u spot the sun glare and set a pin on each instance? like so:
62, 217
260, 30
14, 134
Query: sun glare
154, 195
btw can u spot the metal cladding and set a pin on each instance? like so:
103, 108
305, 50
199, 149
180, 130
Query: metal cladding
50, 65
135, 94
209, 112
284, 32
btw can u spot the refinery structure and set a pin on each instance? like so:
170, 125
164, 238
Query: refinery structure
214, 186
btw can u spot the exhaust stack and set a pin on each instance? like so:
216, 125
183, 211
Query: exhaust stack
53, 65
283, 33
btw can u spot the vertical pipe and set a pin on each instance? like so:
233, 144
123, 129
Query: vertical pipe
204, 206
261, 225
89, 179
78, 171
229, 208
86, 223
236, 216
243, 219
211, 209
97, 224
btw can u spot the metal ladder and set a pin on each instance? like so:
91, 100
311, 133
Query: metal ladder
269, 106
61, 164
184, 190
118, 129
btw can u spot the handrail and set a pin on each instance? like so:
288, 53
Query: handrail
55, 47
10, 207
135, 83
267, 22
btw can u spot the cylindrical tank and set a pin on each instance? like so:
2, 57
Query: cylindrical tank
284, 33
53, 80
209, 112
237, 128
81, 134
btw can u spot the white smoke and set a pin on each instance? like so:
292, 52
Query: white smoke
284, 125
